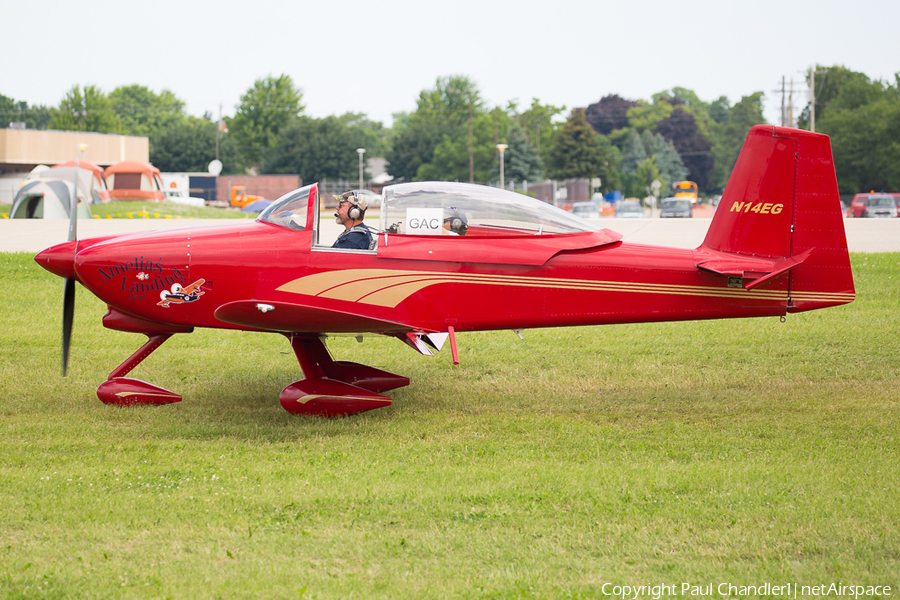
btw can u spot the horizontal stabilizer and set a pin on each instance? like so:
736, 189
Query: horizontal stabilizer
756, 270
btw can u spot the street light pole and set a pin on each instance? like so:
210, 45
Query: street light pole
501, 148
361, 151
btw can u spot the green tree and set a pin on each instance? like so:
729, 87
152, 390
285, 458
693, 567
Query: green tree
579, 151
371, 135
644, 175
448, 115
685, 132
838, 87
414, 141
86, 109
688, 100
540, 124
316, 150
647, 116
865, 146
450, 160
633, 152
719, 108
522, 161
143, 112
34, 117
264, 110
729, 132
671, 168
642, 151
189, 145
863, 119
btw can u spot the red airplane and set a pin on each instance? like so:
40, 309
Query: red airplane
776, 245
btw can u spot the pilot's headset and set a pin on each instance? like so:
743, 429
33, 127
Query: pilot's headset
359, 204
458, 222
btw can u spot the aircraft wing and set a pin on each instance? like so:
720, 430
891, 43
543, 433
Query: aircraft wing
296, 317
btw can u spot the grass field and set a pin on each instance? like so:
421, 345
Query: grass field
154, 210
741, 451
157, 210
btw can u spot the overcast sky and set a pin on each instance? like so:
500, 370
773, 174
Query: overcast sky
375, 57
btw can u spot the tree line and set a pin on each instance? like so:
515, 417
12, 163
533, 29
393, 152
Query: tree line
452, 134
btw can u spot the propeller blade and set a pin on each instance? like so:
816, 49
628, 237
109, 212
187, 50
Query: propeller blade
73, 207
68, 315
69, 290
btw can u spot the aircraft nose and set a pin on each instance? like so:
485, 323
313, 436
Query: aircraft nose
59, 259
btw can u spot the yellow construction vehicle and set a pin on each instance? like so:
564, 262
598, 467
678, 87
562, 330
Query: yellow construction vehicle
240, 198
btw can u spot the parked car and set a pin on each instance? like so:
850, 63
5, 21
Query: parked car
629, 209
674, 208
881, 206
861, 201
586, 210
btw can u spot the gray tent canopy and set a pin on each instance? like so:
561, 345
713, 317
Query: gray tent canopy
88, 185
47, 198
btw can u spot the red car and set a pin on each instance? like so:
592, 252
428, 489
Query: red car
861, 202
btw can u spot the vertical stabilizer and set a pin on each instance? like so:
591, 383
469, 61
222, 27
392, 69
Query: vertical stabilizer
782, 202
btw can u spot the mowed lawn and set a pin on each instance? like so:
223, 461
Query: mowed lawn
740, 451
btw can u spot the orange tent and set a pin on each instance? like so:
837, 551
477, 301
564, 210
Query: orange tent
134, 180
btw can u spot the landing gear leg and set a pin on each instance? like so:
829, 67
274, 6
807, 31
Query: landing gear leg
334, 388
124, 391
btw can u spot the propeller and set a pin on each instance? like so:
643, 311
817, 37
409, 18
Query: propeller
68, 314
69, 287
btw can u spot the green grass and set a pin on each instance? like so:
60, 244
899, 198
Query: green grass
740, 451
138, 209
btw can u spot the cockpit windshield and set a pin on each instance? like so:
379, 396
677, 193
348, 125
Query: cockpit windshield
440, 208
289, 210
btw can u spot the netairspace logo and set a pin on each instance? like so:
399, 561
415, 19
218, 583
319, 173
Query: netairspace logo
731, 590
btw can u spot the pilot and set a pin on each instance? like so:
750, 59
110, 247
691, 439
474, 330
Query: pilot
351, 210
455, 223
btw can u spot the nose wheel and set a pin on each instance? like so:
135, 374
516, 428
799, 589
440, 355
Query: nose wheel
124, 391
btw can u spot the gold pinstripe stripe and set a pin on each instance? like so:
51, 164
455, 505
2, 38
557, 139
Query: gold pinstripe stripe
310, 397
388, 288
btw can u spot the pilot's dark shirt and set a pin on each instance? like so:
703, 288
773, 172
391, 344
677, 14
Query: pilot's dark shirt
358, 237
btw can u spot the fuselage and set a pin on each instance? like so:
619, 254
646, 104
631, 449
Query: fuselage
611, 283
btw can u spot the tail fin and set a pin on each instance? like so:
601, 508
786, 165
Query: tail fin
780, 221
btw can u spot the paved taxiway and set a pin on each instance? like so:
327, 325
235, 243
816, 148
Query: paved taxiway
863, 235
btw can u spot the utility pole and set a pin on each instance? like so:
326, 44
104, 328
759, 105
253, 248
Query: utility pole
471, 141
812, 96
783, 106
782, 102
791, 105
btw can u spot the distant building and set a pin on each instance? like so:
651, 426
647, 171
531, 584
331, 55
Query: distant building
21, 150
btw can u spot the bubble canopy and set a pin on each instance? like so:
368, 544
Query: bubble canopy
487, 210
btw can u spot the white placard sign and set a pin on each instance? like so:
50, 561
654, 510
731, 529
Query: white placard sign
424, 221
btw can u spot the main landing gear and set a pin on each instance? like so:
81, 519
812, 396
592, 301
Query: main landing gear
335, 388
330, 388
